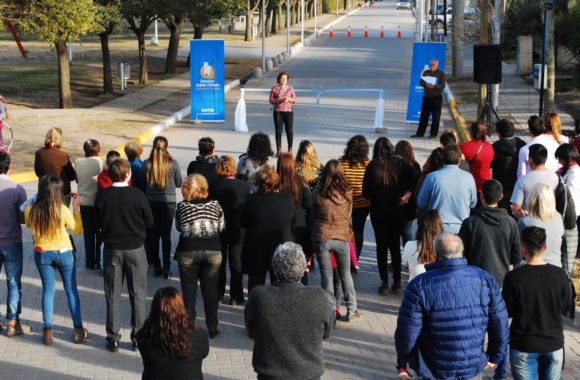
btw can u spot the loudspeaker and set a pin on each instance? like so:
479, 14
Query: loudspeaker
486, 64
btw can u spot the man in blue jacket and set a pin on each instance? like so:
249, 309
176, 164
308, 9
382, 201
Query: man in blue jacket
445, 314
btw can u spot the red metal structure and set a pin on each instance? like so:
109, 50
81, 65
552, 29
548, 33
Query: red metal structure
15, 35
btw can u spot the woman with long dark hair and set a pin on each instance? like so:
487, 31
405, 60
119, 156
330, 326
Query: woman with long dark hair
292, 184
48, 218
162, 177
257, 155
354, 163
331, 210
404, 150
199, 221
419, 252
170, 346
388, 185
283, 98
268, 217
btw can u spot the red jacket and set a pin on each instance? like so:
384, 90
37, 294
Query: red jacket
480, 166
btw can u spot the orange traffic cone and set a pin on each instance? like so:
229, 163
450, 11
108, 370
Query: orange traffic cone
331, 33
366, 32
399, 36
382, 35
348, 33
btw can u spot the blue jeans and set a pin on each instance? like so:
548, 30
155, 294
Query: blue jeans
536, 365
11, 257
65, 262
342, 255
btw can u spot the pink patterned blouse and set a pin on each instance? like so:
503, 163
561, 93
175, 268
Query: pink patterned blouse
278, 93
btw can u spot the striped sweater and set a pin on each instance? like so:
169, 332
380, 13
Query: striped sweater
199, 223
354, 175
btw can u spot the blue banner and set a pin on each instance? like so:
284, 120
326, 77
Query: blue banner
423, 52
207, 80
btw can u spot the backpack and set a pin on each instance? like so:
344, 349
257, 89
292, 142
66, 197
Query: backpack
565, 204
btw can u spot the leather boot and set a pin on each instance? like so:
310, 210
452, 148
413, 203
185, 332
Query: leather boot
80, 334
47, 336
14, 328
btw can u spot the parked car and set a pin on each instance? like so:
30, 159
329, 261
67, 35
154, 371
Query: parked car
468, 13
403, 4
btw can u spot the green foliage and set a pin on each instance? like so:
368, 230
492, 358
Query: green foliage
566, 29
109, 14
521, 19
206, 10
54, 20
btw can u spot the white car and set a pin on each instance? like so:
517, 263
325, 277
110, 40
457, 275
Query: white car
403, 4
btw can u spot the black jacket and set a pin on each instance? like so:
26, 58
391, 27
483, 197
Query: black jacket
204, 165
491, 241
505, 161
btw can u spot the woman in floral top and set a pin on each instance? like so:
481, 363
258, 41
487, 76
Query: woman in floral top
283, 98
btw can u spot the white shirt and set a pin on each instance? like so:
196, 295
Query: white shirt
411, 258
549, 143
572, 180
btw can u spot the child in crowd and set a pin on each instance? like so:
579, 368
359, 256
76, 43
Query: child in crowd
133, 150
104, 180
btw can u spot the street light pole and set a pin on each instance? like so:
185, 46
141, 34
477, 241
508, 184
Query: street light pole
263, 37
288, 27
315, 21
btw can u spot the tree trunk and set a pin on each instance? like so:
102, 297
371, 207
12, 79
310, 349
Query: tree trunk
175, 28
457, 38
551, 89
107, 74
65, 97
275, 19
143, 71
197, 32
279, 25
249, 19
483, 40
268, 21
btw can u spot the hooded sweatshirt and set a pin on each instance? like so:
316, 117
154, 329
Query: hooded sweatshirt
505, 161
491, 241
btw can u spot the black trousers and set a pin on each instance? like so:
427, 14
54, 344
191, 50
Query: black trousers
284, 119
232, 253
203, 266
430, 106
163, 214
91, 236
387, 236
126, 264
359, 217
259, 278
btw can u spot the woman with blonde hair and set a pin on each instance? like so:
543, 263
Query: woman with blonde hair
170, 345
554, 126
48, 218
199, 221
541, 208
308, 167
417, 253
162, 177
231, 193
52, 160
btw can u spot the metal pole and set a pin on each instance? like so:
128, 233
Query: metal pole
315, 21
421, 12
288, 28
496, 41
302, 27
541, 112
156, 34
263, 37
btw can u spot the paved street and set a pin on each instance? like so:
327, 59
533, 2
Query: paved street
362, 350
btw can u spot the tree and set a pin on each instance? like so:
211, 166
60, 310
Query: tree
458, 23
109, 18
251, 7
174, 14
483, 40
140, 14
206, 10
59, 21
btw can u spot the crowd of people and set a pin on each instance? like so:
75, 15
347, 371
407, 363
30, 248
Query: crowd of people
460, 224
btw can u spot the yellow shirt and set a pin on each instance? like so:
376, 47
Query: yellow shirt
354, 176
61, 239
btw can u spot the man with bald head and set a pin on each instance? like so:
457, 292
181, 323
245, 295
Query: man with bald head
445, 315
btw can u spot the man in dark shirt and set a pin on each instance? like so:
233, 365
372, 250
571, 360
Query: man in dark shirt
288, 320
204, 164
490, 235
432, 99
123, 216
535, 296
505, 160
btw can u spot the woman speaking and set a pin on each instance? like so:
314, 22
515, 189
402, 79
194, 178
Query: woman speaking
282, 97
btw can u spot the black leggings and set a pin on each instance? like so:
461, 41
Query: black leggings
284, 119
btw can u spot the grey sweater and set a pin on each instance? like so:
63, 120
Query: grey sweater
167, 194
288, 323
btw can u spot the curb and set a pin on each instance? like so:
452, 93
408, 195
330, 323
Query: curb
459, 120
142, 138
